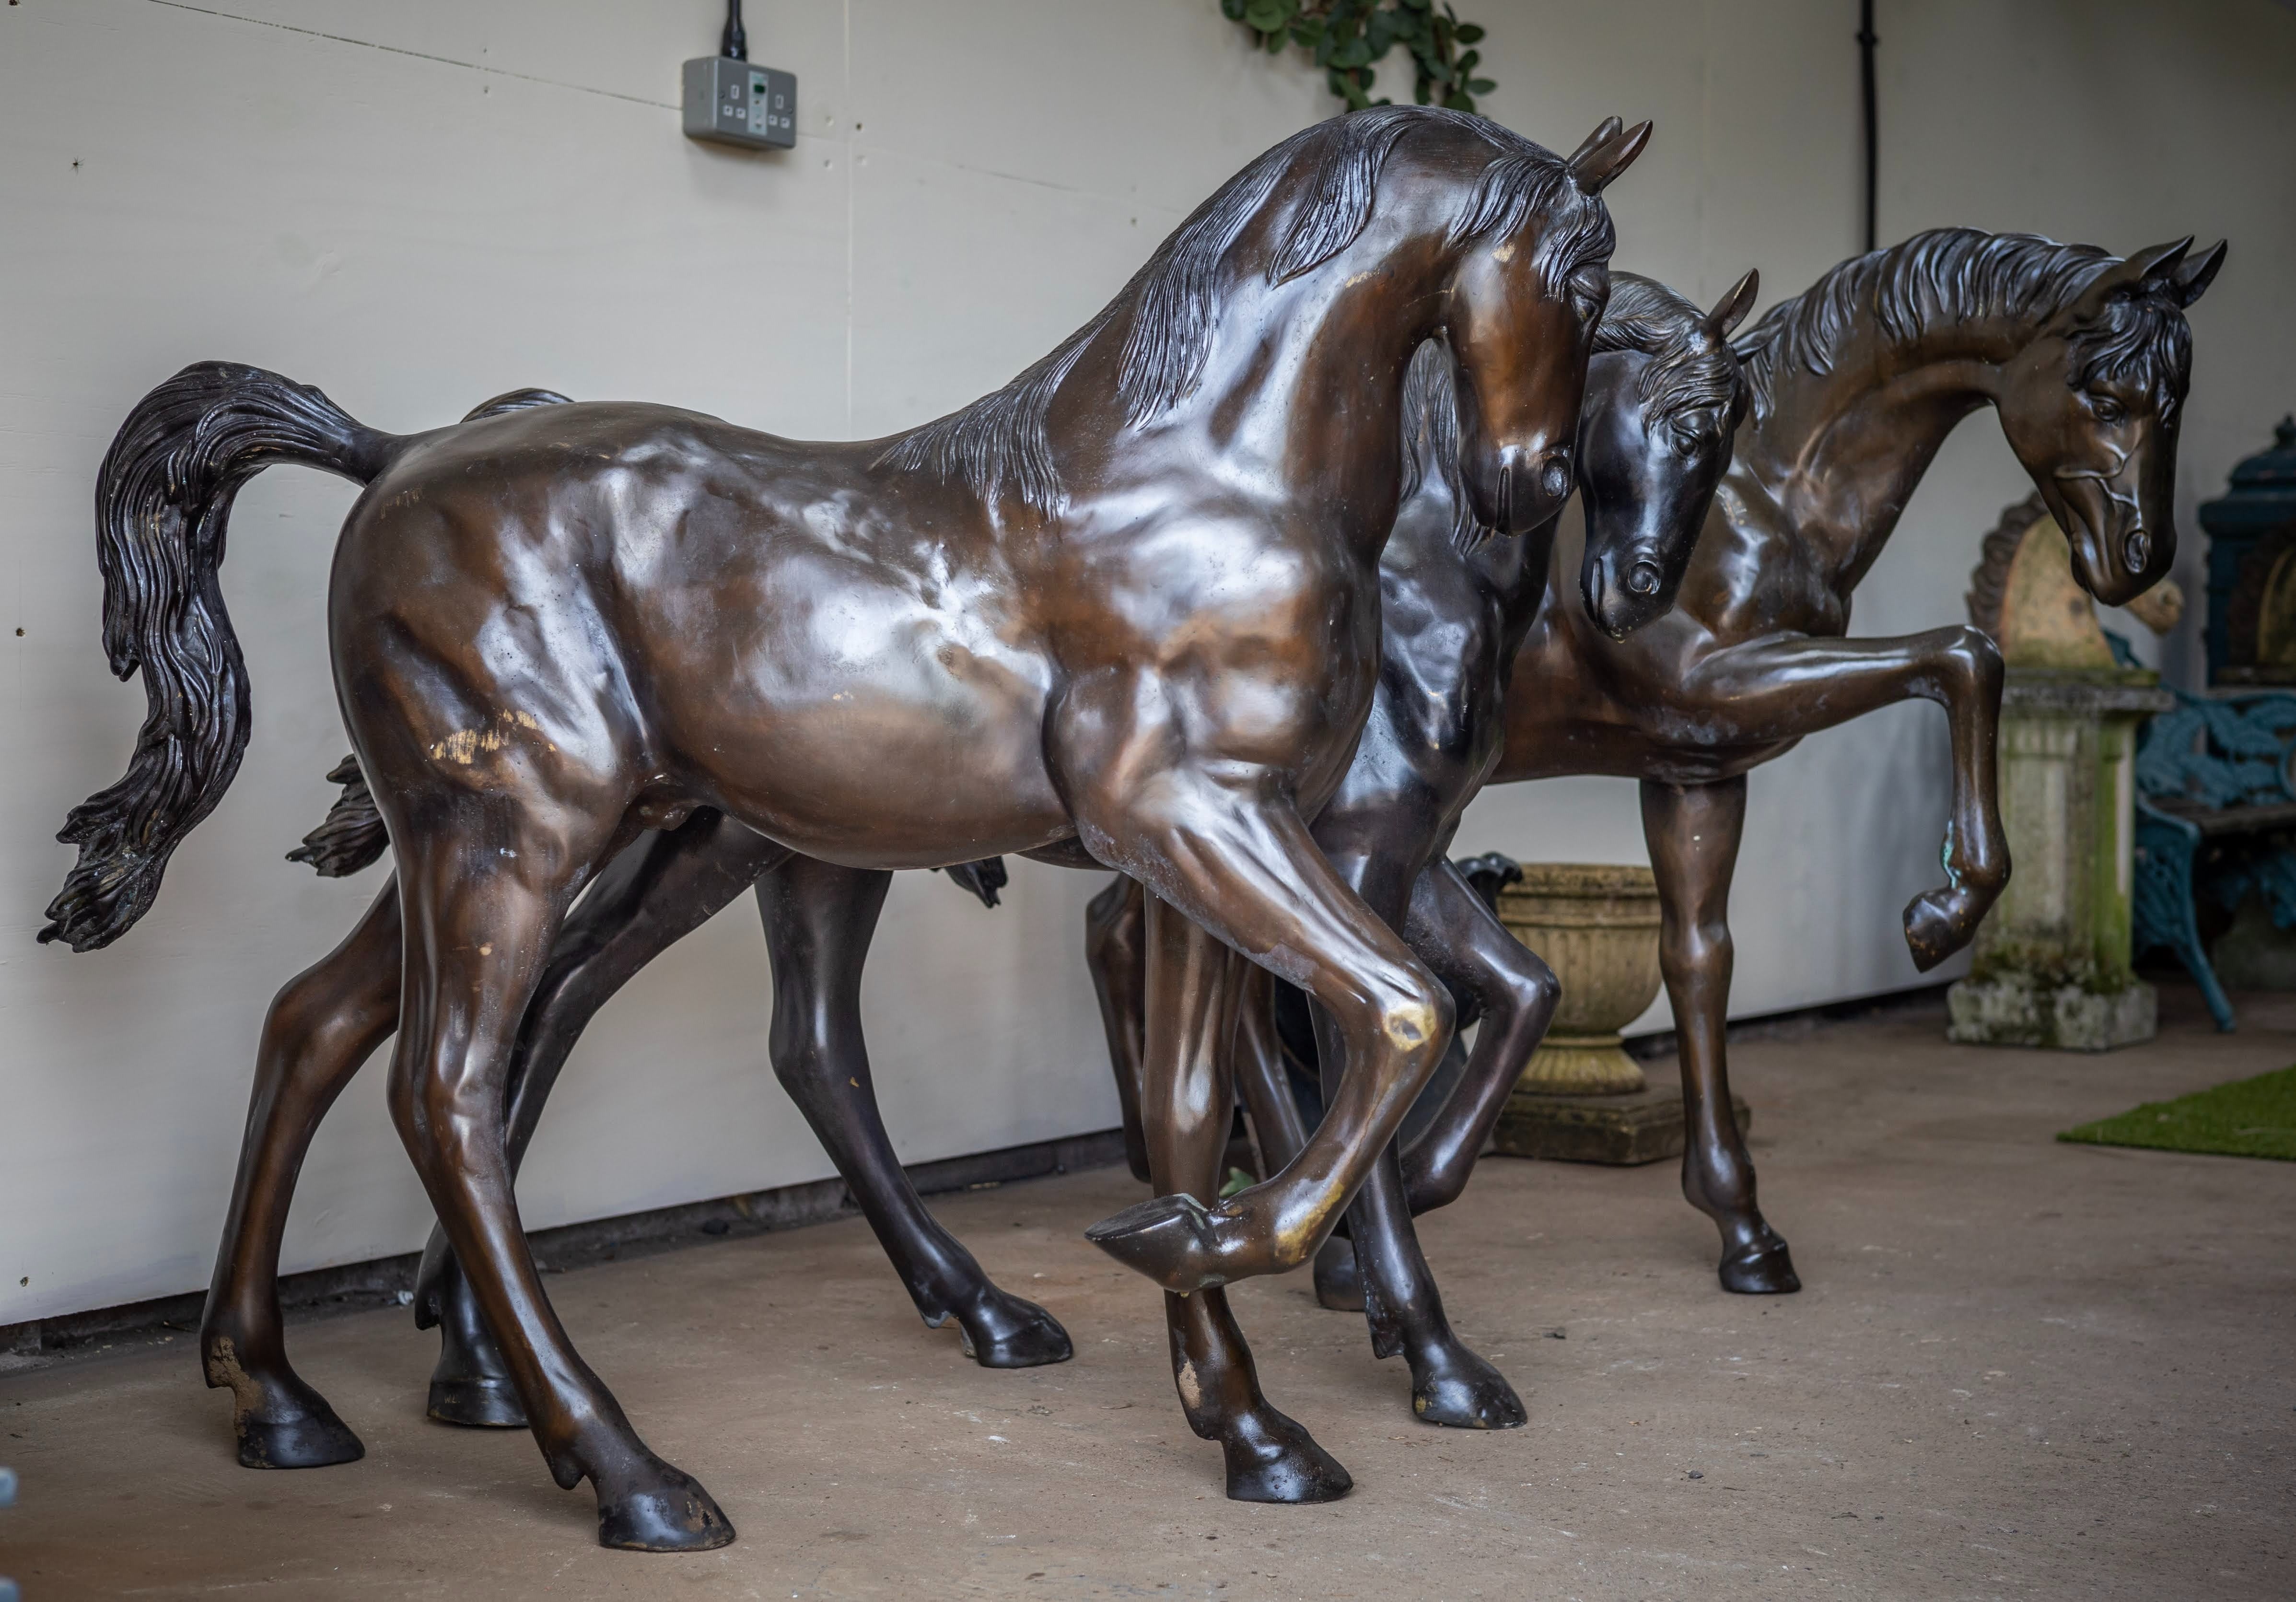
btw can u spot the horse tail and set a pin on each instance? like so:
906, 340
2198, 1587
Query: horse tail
353, 836
162, 500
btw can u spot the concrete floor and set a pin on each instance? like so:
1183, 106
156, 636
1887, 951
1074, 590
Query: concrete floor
2020, 1369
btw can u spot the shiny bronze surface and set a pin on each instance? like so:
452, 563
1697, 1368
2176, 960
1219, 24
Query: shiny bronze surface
1857, 382
1655, 435
1127, 605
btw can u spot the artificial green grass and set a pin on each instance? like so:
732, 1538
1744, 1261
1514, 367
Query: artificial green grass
2248, 1117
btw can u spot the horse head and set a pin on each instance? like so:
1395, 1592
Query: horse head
1521, 308
1664, 398
2091, 408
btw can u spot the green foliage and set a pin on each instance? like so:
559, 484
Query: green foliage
1346, 37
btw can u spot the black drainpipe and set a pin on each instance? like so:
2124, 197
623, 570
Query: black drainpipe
1865, 43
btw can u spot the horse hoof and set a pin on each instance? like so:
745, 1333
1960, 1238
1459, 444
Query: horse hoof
1463, 1392
317, 1439
1940, 923
1170, 1239
1339, 1285
670, 1514
1280, 1462
478, 1404
1014, 1334
1764, 1269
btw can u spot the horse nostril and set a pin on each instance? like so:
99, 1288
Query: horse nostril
2137, 551
1644, 578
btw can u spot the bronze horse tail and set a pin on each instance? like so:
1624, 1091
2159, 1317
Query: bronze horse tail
162, 500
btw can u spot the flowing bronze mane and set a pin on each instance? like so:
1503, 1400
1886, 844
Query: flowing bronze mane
999, 444
1960, 274
533, 673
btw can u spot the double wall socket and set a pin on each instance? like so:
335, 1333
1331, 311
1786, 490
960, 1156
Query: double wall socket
735, 103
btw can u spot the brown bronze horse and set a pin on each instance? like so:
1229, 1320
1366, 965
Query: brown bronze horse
1856, 383
1654, 435
1124, 607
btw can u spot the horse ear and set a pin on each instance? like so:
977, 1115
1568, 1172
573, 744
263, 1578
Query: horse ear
2197, 274
2153, 268
1730, 309
1604, 132
1593, 171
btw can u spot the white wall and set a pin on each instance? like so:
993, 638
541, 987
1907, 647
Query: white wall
420, 204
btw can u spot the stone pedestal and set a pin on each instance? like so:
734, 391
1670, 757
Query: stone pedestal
2052, 964
1645, 1126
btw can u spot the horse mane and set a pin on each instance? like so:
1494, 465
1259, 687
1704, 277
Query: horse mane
1960, 274
1690, 370
999, 444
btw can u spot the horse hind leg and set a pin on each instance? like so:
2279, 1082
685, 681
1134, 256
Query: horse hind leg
819, 919
483, 890
323, 1024
654, 894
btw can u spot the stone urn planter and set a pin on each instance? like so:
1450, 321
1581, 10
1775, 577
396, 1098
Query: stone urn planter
1596, 924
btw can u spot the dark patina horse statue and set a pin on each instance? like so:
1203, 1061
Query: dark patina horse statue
1653, 438
1854, 385
1125, 608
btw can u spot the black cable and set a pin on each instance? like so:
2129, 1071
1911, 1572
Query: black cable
736, 43
1865, 43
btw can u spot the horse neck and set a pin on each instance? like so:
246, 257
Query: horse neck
1293, 396
1839, 454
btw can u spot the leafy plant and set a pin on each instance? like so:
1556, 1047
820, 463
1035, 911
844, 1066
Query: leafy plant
1346, 37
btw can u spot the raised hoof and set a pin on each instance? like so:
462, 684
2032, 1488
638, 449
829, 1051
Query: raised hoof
478, 1404
1339, 1285
1017, 1335
1170, 1239
1764, 1269
317, 1439
1280, 1462
673, 1513
1940, 923
1466, 1393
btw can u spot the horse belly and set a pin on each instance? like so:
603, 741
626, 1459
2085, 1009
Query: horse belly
876, 738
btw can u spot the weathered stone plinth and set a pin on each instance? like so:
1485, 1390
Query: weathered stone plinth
1623, 1130
2052, 959
2018, 1009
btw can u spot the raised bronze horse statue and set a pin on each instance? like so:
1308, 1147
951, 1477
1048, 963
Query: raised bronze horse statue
1126, 607
1654, 435
1856, 383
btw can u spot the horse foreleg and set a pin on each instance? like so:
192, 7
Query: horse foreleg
1115, 921
1451, 1384
323, 1024
1789, 687
1246, 868
1694, 831
1458, 936
654, 894
819, 920
1191, 996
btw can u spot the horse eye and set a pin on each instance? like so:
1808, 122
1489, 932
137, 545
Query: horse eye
2107, 409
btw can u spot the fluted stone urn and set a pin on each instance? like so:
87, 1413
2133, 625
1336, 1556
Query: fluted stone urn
1596, 925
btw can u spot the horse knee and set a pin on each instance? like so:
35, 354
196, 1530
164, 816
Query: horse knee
1524, 984
1973, 650
1415, 1019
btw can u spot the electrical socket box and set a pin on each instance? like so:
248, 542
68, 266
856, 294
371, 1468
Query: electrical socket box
735, 103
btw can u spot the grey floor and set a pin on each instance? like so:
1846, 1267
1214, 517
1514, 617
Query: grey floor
2019, 1369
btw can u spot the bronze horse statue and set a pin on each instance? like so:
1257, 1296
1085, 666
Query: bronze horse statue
1855, 384
1125, 608
1654, 435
